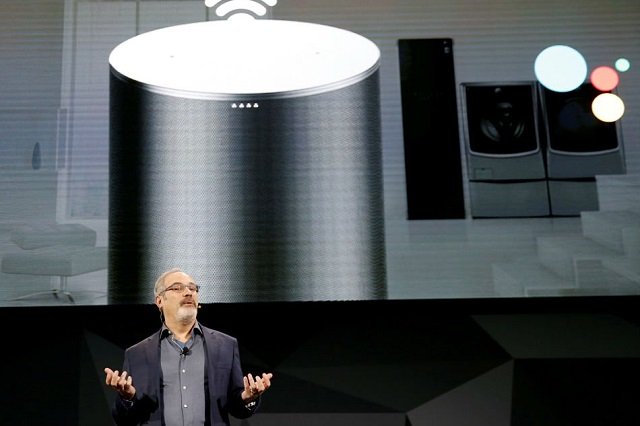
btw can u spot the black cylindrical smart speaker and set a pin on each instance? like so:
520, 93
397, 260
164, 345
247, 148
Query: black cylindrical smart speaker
249, 155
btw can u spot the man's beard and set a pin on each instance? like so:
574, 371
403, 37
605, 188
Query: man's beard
186, 314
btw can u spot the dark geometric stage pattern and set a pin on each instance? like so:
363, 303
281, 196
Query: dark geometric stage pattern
395, 364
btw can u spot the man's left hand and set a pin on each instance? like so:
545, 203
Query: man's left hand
253, 388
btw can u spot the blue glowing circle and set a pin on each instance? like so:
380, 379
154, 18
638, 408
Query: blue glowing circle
623, 65
560, 68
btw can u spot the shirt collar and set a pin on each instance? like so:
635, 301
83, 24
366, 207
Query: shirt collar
165, 332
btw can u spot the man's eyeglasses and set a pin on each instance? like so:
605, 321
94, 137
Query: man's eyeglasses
180, 287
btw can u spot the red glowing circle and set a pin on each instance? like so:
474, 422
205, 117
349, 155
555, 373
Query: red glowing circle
604, 78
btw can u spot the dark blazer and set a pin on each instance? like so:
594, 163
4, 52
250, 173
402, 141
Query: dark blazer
224, 375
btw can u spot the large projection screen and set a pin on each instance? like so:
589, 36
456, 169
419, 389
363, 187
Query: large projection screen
558, 216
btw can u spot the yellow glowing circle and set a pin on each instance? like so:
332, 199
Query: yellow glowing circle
607, 107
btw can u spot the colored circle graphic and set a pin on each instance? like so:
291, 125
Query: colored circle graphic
607, 107
604, 78
623, 64
560, 68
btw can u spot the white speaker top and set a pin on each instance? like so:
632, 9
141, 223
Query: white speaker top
258, 57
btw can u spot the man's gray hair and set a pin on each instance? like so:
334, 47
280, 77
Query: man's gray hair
160, 281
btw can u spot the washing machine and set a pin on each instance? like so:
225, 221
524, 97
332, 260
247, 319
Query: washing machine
579, 147
505, 160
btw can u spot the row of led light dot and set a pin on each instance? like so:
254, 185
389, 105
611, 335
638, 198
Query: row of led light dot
563, 69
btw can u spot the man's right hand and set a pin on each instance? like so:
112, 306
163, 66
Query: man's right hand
121, 382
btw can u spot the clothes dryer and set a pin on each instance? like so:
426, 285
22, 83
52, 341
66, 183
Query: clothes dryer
579, 147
